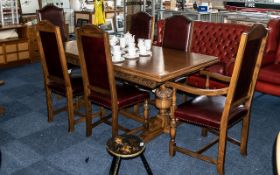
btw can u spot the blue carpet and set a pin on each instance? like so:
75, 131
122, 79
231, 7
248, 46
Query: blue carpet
32, 146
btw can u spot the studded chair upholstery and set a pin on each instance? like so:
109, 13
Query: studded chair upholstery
216, 39
142, 26
99, 82
220, 109
57, 79
176, 32
56, 16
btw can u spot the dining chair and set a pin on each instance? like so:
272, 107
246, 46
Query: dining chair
56, 16
219, 109
100, 86
57, 78
160, 32
176, 32
142, 26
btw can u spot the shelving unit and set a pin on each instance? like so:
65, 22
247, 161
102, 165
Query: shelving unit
9, 12
14, 50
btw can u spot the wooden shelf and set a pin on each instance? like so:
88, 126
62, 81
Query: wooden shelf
15, 50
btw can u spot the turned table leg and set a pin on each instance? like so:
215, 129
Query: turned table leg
160, 123
163, 102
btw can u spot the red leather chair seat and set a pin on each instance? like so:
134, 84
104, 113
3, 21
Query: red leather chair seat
200, 80
207, 111
270, 73
77, 86
127, 96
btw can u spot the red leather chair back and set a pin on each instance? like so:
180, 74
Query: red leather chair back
95, 60
160, 31
176, 32
248, 64
50, 48
141, 25
273, 35
55, 15
217, 39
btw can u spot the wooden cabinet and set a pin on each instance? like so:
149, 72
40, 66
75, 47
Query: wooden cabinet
13, 50
33, 45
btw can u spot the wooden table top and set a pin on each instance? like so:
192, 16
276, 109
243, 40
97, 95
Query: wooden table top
164, 64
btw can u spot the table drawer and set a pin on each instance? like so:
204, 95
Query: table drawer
23, 55
1, 50
11, 57
2, 59
11, 48
23, 46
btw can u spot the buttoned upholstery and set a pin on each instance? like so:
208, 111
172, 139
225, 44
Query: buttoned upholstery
216, 39
56, 16
269, 77
218, 110
142, 25
99, 81
57, 79
176, 32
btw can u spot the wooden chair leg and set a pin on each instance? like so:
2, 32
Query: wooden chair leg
88, 118
244, 135
146, 114
221, 151
172, 143
114, 123
136, 109
70, 108
49, 104
204, 132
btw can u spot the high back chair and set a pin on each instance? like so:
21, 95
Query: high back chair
100, 86
219, 109
176, 32
57, 78
142, 26
56, 16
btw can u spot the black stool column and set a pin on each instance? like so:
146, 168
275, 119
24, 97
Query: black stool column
146, 165
115, 166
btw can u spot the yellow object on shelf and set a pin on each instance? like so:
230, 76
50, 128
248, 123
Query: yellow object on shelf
99, 12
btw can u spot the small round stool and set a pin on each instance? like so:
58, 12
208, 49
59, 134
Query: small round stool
126, 147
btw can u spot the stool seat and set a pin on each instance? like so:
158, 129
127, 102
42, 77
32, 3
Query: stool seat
127, 147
